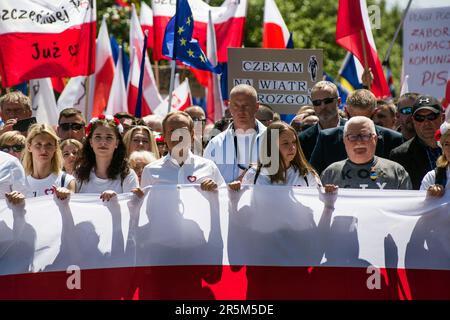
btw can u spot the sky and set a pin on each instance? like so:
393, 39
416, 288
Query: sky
419, 3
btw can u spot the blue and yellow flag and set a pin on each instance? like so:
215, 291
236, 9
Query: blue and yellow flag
178, 43
348, 75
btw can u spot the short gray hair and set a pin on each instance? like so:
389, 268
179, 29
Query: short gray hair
244, 89
323, 85
360, 120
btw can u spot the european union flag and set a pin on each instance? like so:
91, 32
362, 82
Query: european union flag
178, 43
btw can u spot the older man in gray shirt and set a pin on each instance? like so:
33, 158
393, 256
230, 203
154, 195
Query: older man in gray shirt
362, 169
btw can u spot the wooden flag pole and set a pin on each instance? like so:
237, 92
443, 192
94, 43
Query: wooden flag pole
366, 65
156, 66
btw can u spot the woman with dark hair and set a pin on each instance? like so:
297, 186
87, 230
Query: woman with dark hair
103, 166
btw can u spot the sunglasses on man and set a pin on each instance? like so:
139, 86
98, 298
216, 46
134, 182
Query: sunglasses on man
430, 117
14, 148
319, 102
406, 110
72, 125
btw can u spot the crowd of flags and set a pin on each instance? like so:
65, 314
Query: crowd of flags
196, 38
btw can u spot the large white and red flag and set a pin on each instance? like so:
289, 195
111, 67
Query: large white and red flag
181, 99
40, 39
229, 21
43, 101
146, 19
117, 101
263, 242
214, 102
150, 93
354, 33
275, 32
104, 70
78, 94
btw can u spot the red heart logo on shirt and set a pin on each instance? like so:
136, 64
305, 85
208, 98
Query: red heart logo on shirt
192, 179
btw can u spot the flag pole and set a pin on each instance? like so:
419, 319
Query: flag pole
388, 52
173, 63
366, 65
138, 108
156, 66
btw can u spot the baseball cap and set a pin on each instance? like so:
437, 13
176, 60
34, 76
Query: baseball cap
427, 102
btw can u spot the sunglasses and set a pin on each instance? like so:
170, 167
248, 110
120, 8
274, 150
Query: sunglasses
14, 148
319, 102
406, 110
356, 137
74, 126
430, 117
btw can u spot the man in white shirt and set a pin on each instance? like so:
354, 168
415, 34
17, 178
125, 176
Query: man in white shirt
180, 165
235, 149
12, 178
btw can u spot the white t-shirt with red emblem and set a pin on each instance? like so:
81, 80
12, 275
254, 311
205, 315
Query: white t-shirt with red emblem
195, 170
43, 187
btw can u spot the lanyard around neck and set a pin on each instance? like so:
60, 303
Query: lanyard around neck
236, 148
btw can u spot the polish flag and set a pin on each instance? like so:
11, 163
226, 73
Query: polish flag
275, 32
150, 93
222, 245
57, 42
104, 72
77, 94
228, 19
117, 101
214, 103
181, 99
43, 101
146, 19
352, 27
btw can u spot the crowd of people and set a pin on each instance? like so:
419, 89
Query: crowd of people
370, 144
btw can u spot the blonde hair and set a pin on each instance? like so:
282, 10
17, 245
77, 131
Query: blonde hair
12, 137
129, 136
16, 97
244, 89
34, 131
142, 154
73, 142
442, 161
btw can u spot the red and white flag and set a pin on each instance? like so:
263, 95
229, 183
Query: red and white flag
353, 32
214, 102
229, 21
117, 101
405, 88
263, 242
40, 39
275, 32
181, 99
104, 70
150, 93
78, 94
446, 102
146, 19
43, 101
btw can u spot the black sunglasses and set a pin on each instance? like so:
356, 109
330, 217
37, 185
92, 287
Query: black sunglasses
318, 102
430, 117
72, 125
14, 148
406, 110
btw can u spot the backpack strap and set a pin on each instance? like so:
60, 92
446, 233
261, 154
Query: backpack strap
440, 176
63, 178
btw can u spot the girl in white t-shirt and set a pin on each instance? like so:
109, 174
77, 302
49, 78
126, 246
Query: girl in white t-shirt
42, 161
103, 167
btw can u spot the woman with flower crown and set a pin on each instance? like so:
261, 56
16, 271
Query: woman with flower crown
437, 180
103, 167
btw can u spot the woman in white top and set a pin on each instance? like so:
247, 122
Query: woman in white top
436, 181
103, 167
42, 161
12, 179
287, 166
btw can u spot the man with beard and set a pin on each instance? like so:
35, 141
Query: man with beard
326, 100
419, 155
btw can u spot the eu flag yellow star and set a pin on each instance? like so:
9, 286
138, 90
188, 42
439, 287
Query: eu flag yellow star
180, 30
188, 21
202, 58
190, 53
183, 41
